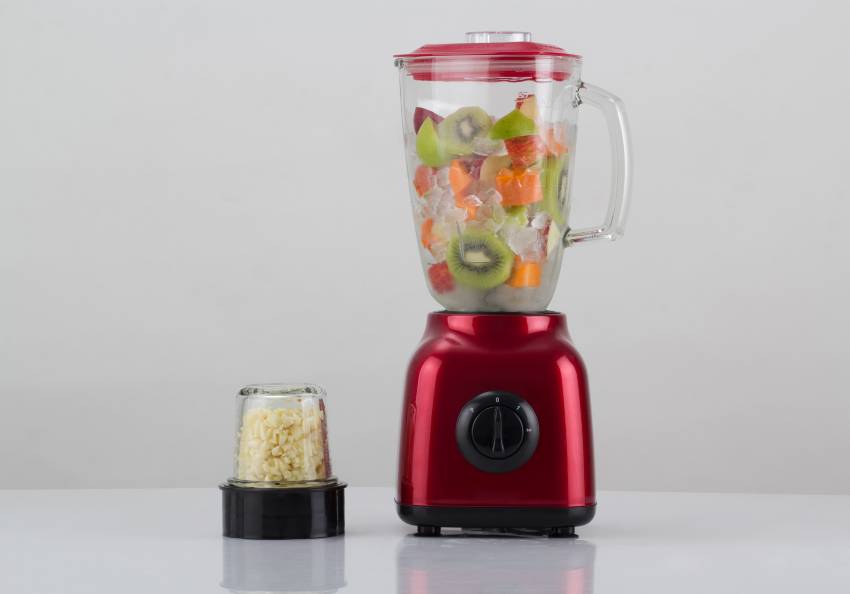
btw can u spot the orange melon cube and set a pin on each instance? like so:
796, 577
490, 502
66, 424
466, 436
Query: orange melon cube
519, 186
459, 179
426, 233
525, 274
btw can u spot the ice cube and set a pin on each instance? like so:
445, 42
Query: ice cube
482, 145
525, 242
540, 221
491, 213
454, 217
437, 202
443, 177
471, 202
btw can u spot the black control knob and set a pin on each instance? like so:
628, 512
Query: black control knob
497, 431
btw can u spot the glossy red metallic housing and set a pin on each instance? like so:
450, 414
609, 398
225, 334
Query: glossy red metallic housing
464, 355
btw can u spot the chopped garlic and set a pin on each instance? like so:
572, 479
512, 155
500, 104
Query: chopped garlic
282, 444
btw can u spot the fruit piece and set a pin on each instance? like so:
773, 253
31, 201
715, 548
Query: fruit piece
491, 167
525, 274
460, 129
524, 150
555, 138
479, 259
554, 188
519, 186
527, 104
420, 114
489, 214
473, 166
426, 233
440, 277
423, 179
428, 145
470, 203
553, 238
517, 214
460, 179
512, 125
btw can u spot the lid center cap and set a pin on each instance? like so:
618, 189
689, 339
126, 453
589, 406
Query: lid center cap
497, 36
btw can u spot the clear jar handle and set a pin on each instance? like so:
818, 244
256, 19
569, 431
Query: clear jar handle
621, 175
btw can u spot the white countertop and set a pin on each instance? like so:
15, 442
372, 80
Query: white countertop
168, 540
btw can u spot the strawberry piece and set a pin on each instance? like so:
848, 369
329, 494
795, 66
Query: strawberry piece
440, 277
423, 179
524, 150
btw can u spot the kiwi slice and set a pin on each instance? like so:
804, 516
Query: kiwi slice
479, 259
554, 187
429, 148
512, 125
460, 129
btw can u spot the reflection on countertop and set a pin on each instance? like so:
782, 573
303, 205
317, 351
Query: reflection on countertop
315, 565
489, 563
456, 562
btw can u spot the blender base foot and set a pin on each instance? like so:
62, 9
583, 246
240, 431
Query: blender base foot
563, 532
427, 531
546, 520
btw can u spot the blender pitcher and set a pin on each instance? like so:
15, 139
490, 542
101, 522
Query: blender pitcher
489, 135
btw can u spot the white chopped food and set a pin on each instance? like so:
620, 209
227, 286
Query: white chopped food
283, 445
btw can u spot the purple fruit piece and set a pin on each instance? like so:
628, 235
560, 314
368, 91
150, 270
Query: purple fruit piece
474, 165
420, 114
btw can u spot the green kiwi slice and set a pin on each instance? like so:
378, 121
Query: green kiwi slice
554, 187
479, 259
461, 128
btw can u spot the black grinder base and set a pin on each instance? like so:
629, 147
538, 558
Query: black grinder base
283, 513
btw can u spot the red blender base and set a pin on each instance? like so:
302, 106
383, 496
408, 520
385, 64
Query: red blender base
496, 427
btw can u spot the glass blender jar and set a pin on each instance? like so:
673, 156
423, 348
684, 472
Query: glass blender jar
490, 136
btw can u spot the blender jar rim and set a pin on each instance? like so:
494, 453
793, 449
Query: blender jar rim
490, 44
283, 390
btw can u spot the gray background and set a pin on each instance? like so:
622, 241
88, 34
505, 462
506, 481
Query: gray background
195, 195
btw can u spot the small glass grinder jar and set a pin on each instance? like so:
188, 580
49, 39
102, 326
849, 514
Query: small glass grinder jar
282, 485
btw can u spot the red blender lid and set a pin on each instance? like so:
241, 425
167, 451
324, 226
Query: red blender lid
490, 56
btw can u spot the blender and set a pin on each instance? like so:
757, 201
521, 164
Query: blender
496, 426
